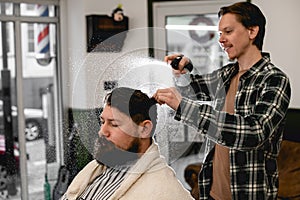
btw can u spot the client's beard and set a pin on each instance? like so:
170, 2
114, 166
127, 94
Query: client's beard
108, 154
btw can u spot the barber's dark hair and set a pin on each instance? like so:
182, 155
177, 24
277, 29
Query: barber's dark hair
249, 15
133, 103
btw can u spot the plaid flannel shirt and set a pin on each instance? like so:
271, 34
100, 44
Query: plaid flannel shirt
253, 133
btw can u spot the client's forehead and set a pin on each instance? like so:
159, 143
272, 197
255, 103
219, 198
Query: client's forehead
112, 113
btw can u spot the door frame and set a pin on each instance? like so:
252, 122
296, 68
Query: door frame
17, 19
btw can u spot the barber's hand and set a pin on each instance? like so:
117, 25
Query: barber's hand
183, 62
169, 96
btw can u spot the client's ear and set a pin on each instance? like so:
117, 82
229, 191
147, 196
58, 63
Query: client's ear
146, 129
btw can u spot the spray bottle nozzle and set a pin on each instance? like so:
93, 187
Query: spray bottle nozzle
175, 62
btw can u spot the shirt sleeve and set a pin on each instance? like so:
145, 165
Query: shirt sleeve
248, 128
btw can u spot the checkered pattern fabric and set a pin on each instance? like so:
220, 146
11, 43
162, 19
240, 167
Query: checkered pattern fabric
253, 133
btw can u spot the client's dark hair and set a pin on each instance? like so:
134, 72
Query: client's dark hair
133, 103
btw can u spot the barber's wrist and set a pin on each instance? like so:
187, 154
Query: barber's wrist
189, 66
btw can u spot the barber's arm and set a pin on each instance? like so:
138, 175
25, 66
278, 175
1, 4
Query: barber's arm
242, 132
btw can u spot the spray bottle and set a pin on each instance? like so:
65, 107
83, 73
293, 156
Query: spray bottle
182, 80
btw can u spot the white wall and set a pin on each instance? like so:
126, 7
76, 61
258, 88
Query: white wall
83, 66
281, 41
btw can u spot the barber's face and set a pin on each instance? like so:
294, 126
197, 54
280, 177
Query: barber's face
234, 37
118, 138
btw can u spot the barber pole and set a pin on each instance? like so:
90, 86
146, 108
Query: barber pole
43, 42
